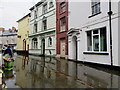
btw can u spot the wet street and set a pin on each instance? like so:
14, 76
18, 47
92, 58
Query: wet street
46, 72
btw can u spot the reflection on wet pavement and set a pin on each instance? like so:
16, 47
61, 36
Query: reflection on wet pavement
46, 72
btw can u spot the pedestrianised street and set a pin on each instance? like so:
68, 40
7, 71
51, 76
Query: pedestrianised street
45, 72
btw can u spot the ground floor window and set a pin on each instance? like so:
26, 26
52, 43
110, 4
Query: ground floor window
49, 41
97, 40
34, 43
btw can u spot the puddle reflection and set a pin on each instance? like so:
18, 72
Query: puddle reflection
41, 72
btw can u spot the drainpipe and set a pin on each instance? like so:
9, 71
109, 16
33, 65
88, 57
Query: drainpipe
110, 26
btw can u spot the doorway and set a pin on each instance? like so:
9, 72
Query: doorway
74, 47
43, 47
24, 45
62, 48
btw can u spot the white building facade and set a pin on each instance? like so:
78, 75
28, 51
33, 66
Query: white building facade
42, 36
89, 32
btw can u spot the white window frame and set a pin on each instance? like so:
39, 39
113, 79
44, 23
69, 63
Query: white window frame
49, 41
61, 26
93, 40
94, 7
45, 9
43, 25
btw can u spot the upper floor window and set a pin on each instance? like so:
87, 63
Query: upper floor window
35, 28
51, 4
35, 15
45, 8
95, 7
62, 7
97, 40
44, 23
63, 24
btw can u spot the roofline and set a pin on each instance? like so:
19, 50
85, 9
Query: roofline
39, 3
23, 17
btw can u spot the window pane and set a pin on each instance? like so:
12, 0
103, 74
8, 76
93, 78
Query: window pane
89, 41
95, 32
103, 39
95, 6
45, 25
62, 7
63, 24
35, 28
96, 43
44, 8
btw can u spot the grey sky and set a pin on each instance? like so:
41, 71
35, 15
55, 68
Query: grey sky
13, 10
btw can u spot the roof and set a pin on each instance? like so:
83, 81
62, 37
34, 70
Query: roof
9, 32
39, 3
23, 17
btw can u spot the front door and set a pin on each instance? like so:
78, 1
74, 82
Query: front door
43, 47
62, 48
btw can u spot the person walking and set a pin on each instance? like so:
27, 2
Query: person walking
8, 51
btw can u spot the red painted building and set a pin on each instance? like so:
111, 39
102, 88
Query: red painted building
62, 28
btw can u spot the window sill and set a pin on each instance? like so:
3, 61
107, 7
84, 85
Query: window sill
50, 46
63, 31
62, 12
96, 53
51, 7
94, 15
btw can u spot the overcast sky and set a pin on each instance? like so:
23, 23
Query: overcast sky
13, 10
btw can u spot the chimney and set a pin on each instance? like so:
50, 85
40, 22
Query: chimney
13, 28
2, 29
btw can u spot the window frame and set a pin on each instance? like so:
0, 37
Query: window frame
93, 9
35, 14
35, 28
61, 26
44, 10
99, 38
34, 43
95, 5
50, 42
43, 24
61, 7
51, 4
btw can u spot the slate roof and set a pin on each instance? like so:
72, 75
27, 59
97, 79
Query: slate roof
9, 32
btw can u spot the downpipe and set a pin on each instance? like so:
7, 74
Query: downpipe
110, 26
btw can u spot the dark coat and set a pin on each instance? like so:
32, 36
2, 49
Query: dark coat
8, 51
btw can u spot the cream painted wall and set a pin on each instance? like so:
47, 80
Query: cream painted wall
23, 31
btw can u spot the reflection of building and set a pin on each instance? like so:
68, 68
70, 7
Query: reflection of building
9, 37
42, 35
62, 28
41, 72
23, 31
89, 32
